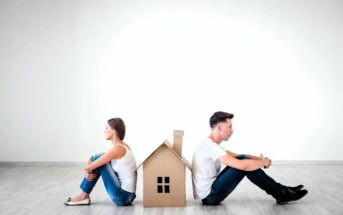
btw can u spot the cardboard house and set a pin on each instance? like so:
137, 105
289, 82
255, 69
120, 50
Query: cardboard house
164, 175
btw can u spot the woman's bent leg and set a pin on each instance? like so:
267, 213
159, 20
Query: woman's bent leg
87, 186
112, 184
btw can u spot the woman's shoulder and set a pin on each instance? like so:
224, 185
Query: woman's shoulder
117, 151
127, 146
119, 147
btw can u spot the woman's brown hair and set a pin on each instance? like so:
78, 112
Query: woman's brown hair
119, 126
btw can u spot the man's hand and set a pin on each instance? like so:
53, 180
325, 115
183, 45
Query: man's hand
89, 175
266, 162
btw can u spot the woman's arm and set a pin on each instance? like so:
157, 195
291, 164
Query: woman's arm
116, 152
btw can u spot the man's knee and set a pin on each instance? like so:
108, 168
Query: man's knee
242, 157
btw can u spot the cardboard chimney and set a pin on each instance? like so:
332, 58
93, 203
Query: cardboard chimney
164, 175
177, 145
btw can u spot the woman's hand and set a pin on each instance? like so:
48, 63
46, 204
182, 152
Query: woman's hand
89, 175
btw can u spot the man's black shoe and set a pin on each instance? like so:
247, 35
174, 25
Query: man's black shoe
292, 196
297, 188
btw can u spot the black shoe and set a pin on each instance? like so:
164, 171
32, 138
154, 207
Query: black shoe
297, 188
292, 196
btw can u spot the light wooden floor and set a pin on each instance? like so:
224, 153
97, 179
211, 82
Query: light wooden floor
41, 188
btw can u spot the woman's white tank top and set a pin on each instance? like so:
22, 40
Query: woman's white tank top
126, 170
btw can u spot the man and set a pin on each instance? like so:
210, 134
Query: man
212, 188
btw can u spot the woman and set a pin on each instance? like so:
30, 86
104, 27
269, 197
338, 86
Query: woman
117, 168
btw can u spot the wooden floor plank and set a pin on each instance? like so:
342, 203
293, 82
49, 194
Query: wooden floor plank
41, 188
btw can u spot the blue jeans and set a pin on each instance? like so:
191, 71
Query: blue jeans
119, 196
230, 177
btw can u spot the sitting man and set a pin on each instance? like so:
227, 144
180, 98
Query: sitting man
213, 187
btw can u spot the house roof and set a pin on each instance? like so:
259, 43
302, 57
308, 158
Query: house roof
170, 147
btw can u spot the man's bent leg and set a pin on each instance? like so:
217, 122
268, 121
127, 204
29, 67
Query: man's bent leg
224, 184
266, 183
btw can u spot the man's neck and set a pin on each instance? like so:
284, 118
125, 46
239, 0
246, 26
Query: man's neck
215, 138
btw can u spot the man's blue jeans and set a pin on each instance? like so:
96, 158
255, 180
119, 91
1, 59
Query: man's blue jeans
230, 177
119, 196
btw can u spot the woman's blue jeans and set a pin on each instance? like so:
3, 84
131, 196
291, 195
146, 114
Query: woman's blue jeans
230, 177
119, 196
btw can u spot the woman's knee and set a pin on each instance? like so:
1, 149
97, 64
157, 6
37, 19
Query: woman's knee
96, 156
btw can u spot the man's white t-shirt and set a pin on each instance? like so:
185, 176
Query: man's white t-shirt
206, 167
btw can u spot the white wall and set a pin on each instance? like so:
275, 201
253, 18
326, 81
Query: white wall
68, 66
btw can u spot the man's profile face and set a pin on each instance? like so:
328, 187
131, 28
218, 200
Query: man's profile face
225, 129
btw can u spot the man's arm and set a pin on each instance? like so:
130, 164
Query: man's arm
247, 155
232, 153
246, 165
253, 157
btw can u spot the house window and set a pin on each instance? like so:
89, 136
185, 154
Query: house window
163, 184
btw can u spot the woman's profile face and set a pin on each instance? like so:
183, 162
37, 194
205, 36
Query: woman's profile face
109, 132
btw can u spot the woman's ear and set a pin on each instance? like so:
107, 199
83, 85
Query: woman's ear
114, 131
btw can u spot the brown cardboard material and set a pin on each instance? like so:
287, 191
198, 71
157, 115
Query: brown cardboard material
164, 175
177, 145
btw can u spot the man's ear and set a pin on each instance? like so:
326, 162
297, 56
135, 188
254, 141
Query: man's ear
219, 127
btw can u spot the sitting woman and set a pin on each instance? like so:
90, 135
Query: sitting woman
117, 168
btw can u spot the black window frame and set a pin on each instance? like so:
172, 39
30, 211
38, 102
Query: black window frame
163, 184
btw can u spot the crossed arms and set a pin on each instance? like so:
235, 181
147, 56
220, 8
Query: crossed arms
251, 164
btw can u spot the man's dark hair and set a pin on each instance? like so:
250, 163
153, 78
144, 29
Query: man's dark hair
218, 117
